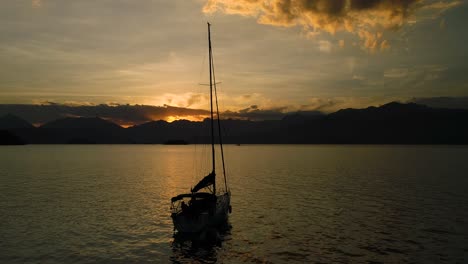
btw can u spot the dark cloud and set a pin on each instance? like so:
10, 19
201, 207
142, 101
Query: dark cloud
125, 115
196, 98
364, 4
367, 18
328, 15
255, 113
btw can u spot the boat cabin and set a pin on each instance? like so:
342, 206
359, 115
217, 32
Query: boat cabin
192, 203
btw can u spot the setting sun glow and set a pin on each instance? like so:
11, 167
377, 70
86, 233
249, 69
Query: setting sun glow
194, 118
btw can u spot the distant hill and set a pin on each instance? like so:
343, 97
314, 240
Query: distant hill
396, 123
10, 121
14, 130
159, 132
392, 123
81, 130
8, 138
81, 123
386, 111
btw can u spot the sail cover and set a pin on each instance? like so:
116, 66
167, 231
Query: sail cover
205, 182
201, 195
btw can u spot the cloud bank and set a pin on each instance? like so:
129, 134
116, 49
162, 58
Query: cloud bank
128, 115
368, 19
124, 115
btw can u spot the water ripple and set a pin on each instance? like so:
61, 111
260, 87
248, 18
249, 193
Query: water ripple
302, 204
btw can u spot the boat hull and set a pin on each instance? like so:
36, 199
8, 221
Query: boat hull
215, 217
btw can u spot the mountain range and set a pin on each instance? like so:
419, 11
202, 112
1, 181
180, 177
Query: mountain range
392, 123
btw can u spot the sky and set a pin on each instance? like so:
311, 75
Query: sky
269, 55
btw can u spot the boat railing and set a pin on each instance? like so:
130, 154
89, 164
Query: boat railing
176, 207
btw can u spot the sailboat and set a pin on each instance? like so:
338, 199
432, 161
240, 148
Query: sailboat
204, 207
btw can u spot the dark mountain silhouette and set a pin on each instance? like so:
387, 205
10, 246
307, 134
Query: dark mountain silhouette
8, 138
386, 111
14, 129
392, 123
396, 123
10, 121
162, 131
81, 123
84, 130
81, 130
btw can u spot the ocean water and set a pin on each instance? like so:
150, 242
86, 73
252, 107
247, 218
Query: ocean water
291, 204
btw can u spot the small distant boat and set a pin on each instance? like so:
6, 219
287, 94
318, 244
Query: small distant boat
199, 210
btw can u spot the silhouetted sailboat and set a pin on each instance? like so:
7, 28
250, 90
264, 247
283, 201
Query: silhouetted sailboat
208, 209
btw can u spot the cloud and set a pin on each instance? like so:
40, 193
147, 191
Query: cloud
442, 6
366, 18
341, 43
194, 100
36, 3
254, 113
197, 99
442, 24
414, 75
396, 73
325, 46
358, 77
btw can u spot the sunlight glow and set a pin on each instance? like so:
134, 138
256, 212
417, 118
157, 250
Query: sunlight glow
193, 118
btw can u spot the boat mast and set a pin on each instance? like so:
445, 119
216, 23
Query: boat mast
211, 107
219, 124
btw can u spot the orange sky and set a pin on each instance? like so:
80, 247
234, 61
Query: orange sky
288, 55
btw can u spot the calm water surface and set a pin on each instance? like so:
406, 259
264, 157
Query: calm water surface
110, 204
